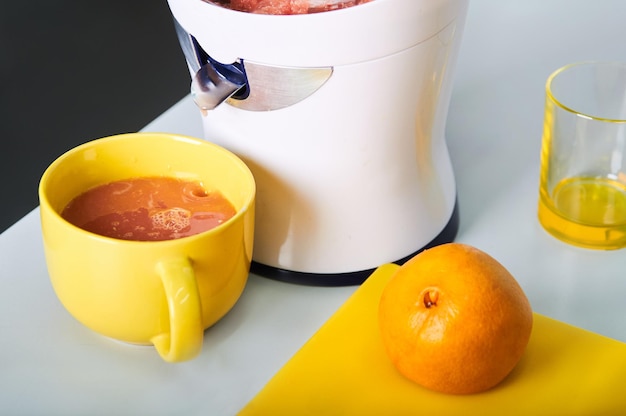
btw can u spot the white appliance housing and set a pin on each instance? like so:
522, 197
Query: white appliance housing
354, 172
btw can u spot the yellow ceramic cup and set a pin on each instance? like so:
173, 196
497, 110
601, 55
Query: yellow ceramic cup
164, 293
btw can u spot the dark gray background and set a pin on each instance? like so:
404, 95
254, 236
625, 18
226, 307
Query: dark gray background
72, 71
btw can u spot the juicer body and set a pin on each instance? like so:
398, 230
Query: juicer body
356, 172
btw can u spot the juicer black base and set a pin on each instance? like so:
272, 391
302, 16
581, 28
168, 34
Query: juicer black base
447, 235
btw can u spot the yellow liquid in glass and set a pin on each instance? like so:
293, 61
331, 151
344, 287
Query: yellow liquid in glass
587, 212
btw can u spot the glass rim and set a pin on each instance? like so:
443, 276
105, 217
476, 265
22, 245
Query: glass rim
550, 94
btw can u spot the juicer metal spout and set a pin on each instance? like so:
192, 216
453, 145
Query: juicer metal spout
212, 82
246, 85
212, 85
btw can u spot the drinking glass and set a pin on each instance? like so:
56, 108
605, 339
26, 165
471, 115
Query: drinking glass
582, 196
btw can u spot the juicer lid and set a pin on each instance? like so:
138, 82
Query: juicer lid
340, 37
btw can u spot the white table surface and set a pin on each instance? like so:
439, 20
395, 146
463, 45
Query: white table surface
50, 364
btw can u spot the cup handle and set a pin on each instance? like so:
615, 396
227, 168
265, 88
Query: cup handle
184, 340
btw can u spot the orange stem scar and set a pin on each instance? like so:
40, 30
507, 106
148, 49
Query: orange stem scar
430, 298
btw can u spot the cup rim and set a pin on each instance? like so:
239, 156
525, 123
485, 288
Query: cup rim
44, 200
550, 94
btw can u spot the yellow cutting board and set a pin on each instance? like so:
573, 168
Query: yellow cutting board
343, 370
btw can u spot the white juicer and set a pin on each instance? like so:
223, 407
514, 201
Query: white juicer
340, 115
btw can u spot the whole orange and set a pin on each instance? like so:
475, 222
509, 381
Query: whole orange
454, 320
